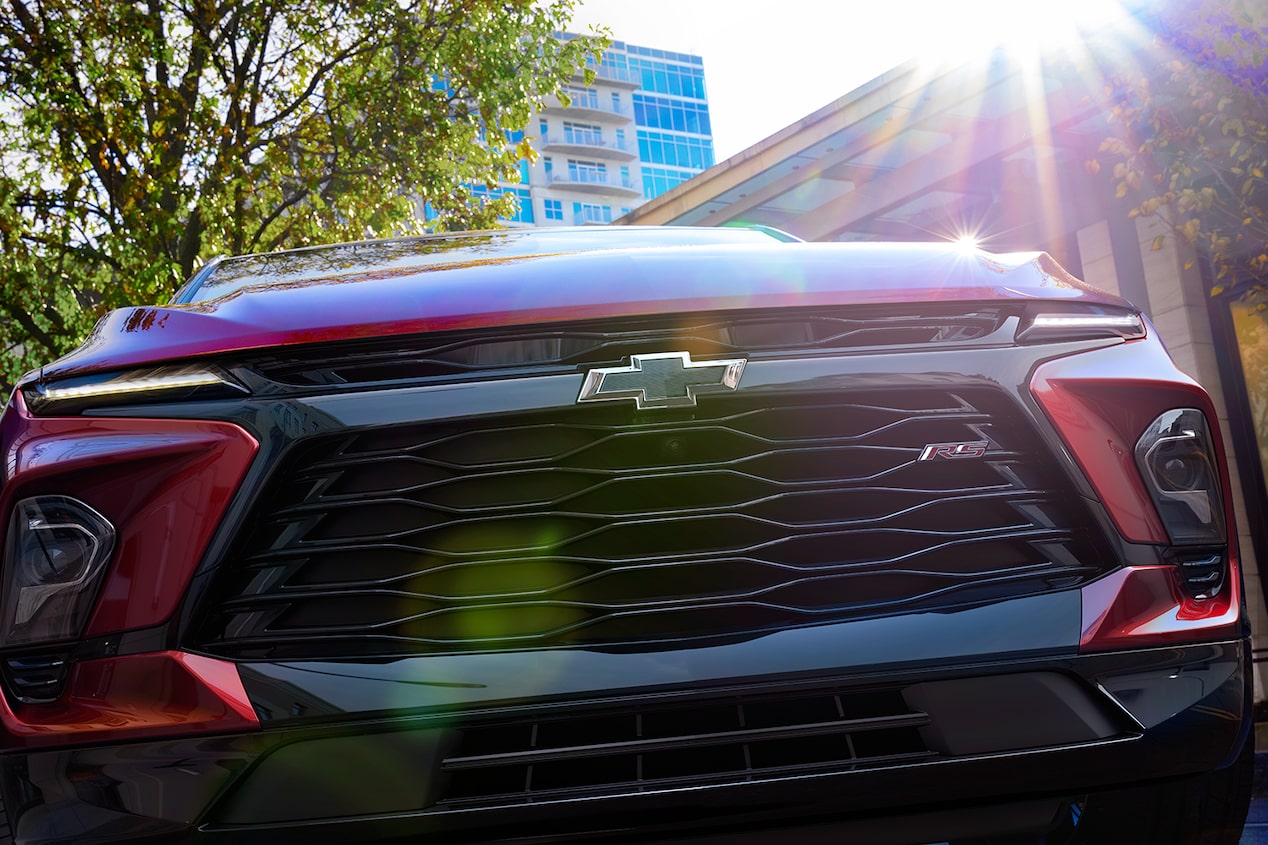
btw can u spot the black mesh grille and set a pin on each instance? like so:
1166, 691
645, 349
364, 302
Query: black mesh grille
592, 527
566, 347
737, 738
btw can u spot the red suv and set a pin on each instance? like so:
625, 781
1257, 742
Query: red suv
621, 535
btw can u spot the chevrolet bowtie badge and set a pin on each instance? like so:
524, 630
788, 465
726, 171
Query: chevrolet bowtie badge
661, 380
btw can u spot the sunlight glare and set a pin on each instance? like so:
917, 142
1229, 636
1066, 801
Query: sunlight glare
976, 27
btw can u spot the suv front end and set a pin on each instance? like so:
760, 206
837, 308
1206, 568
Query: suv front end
635, 542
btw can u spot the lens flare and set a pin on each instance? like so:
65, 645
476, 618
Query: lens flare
979, 27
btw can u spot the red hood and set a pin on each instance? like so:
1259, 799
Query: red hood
551, 288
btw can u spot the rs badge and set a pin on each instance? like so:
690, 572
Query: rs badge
954, 451
661, 380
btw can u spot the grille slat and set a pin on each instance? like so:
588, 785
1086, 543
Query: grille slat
732, 520
451, 619
979, 577
893, 564
330, 495
645, 517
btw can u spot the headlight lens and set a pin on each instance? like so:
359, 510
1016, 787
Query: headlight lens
1176, 458
55, 557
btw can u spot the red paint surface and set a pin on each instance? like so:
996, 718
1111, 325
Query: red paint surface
163, 484
1101, 403
135, 697
1141, 606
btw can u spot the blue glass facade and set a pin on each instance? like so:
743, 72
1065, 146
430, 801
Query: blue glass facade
524, 214
671, 116
668, 113
666, 78
675, 150
638, 129
658, 180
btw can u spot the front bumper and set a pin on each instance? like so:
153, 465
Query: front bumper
1005, 745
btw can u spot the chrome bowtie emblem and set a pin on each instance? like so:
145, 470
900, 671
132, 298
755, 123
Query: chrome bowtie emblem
661, 380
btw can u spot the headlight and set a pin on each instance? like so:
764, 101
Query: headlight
55, 556
1176, 458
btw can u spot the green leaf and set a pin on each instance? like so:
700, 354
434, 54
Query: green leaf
345, 117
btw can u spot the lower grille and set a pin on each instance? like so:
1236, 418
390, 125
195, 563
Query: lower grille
593, 526
715, 742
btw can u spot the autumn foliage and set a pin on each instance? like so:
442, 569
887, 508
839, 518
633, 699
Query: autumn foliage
1190, 122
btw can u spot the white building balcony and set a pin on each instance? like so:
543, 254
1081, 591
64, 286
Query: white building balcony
593, 182
590, 108
591, 144
617, 76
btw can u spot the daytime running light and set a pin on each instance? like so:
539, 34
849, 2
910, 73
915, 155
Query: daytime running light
1130, 322
133, 385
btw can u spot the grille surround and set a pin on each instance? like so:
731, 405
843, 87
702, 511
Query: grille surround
514, 532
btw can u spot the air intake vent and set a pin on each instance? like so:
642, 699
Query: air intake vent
36, 680
1202, 573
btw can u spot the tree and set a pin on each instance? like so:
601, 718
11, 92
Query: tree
1191, 122
139, 138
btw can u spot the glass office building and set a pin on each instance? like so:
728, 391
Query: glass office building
638, 129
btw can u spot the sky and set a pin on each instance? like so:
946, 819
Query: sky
768, 64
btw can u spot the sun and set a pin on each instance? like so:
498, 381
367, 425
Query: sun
975, 28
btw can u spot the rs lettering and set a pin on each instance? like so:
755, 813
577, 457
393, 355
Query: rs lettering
954, 451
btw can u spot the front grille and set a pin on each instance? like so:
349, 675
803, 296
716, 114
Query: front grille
718, 741
565, 347
593, 527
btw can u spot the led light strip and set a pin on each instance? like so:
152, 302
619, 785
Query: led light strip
133, 385
1087, 321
